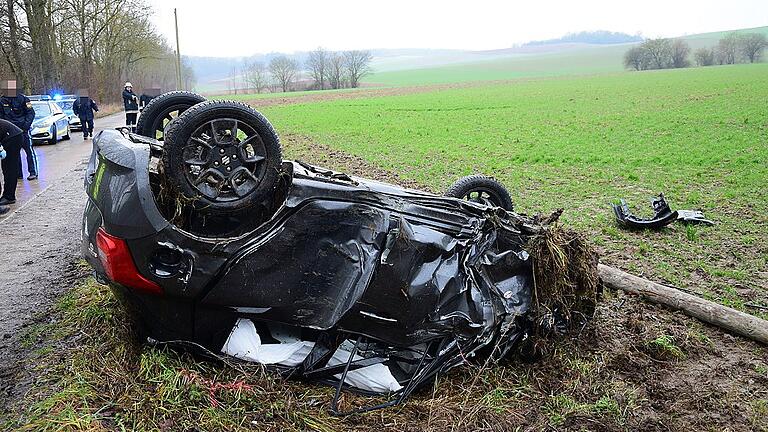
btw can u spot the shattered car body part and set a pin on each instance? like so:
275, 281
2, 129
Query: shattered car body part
663, 215
693, 217
347, 281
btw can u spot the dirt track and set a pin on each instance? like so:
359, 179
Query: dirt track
41, 247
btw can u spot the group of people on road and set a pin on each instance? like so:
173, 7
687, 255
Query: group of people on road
16, 117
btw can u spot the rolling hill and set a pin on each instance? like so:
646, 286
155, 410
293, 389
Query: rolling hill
530, 61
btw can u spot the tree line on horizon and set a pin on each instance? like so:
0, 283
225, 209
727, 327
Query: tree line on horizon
65, 45
323, 69
664, 53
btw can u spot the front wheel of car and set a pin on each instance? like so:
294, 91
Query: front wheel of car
54, 132
481, 189
222, 156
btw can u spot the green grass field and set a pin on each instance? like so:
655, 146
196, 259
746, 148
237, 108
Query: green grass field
698, 135
584, 60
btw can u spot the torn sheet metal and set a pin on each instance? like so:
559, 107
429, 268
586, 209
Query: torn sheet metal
693, 217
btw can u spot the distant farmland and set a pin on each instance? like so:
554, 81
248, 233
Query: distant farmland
698, 135
558, 60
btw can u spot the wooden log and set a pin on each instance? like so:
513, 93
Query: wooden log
721, 316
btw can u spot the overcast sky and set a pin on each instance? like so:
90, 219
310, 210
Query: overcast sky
242, 28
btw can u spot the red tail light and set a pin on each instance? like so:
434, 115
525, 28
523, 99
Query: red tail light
118, 263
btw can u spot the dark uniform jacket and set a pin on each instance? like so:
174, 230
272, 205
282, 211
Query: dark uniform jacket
145, 99
17, 110
130, 101
8, 130
84, 110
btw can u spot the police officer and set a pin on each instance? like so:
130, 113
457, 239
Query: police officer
17, 109
131, 103
11, 139
84, 107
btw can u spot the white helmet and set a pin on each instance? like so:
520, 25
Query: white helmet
128, 84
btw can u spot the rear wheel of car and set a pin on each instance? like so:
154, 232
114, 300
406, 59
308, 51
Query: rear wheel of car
222, 156
54, 132
162, 110
66, 137
481, 189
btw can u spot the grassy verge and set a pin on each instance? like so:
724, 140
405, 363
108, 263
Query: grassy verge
108, 109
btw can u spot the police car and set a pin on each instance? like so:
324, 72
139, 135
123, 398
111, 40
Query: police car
65, 102
50, 123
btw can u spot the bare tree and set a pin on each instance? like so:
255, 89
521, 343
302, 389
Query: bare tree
659, 52
752, 45
336, 70
232, 81
256, 76
13, 52
636, 58
679, 53
728, 49
357, 65
283, 71
704, 56
317, 63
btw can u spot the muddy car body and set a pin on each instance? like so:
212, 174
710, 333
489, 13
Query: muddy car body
397, 277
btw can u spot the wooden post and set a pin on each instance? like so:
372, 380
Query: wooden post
724, 317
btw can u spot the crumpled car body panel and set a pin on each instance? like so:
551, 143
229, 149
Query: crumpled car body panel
342, 260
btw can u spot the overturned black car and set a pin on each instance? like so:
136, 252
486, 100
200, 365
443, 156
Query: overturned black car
209, 238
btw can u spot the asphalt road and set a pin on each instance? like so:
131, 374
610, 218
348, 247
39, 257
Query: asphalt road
56, 160
39, 252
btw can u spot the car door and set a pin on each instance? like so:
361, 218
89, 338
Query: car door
60, 119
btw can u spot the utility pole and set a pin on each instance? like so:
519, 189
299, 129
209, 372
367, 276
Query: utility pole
178, 53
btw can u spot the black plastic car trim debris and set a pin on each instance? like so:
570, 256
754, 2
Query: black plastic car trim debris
662, 217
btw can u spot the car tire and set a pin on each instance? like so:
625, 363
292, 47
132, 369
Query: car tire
54, 132
482, 189
228, 174
66, 137
156, 116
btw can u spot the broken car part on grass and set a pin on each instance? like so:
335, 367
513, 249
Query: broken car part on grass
209, 238
663, 215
